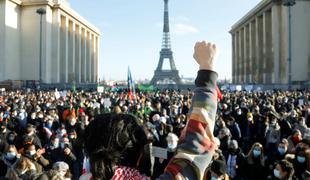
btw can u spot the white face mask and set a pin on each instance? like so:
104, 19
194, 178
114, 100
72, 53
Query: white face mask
55, 144
72, 122
276, 173
62, 173
24, 171
63, 132
172, 145
32, 152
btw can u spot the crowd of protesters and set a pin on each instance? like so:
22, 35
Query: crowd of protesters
261, 135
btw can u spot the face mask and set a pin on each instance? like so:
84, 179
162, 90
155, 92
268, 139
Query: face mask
40, 116
2, 130
56, 145
276, 173
62, 145
32, 152
256, 153
229, 123
62, 132
71, 137
62, 173
301, 159
10, 155
301, 123
33, 116
296, 139
24, 171
239, 112
11, 138
172, 146
273, 123
72, 123
214, 178
281, 150
49, 124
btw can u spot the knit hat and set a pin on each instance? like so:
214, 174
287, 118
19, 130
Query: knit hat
218, 167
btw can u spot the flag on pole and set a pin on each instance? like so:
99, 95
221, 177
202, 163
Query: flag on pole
131, 86
219, 93
86, 166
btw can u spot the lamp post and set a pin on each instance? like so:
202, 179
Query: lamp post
41, 12
289, 4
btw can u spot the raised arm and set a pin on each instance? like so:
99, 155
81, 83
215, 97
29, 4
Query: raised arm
196, 146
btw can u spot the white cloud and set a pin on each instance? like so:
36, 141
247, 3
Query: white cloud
183, 29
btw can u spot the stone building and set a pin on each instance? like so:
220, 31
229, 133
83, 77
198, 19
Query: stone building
260, 44
70, 44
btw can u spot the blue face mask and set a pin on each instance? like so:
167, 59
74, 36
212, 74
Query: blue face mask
256, 153
214, 178
10, 155
301, 159
49, 125
276, 173
281, 150
172, 146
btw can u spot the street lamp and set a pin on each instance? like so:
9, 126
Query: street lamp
289, 4
41, 12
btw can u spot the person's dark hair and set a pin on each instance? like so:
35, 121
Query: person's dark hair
287, 167
111, 140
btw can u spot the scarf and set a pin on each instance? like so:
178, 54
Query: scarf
121, 173
126, 173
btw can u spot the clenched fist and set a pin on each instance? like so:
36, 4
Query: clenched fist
205, 55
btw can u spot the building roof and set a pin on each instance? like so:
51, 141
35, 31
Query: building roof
252, 13
64, 6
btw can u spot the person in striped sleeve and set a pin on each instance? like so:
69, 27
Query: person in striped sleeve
115, 143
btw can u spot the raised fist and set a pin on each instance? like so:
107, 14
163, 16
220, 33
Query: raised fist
205, 55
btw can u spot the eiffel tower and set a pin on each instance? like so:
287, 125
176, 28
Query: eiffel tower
162, 76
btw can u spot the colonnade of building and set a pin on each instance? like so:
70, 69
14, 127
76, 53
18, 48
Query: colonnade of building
252, 51
260, 44
78, 52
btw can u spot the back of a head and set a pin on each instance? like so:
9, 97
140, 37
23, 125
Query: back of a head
113, 140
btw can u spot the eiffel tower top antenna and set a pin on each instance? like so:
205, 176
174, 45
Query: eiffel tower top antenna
166, 43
